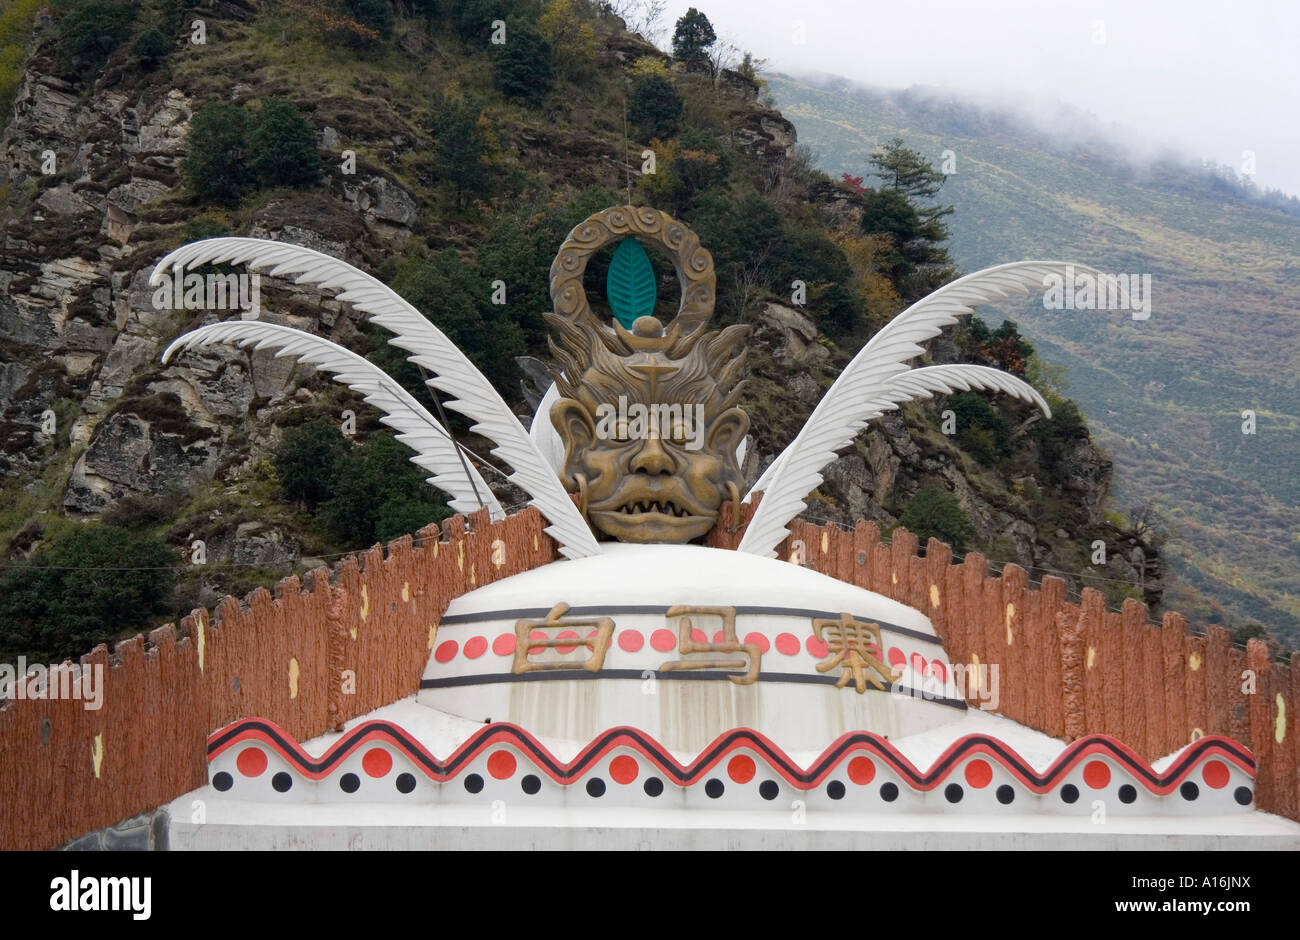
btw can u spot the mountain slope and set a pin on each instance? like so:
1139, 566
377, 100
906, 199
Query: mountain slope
1165, 395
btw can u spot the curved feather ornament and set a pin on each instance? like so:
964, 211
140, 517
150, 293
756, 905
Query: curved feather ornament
924, 383
452, 372
434, 448
866, 381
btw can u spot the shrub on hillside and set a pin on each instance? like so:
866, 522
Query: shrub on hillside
214, 167
306, 462
282, 146
459, 148
654, 107
84, 586
89, 31
231, 150
935, 513
359, 494
151, 47
450, 292
521, 66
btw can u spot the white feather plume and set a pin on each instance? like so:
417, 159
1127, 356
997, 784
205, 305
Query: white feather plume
434, 448
452, 372
865, 385
924, 383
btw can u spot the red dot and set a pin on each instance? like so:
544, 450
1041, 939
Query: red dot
938, 670
979, 773
663, 640
862, 771
697, 636
896, 657
1096, 774
918, 664
566, 635
1215, 774
817, 648
251, 761
501, 764
760, 639
536, 635
504, 645
719, 637
377, 762
623, 769
741, 768
630, 640
446, 652
475, 647
787, 643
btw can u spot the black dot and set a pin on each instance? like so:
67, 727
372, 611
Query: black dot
1243, 795
349, 783
769, 790
531, 784
714, 788
473, 783
223, 781
1069, 793
953, 793
1127, 793
405, 783
835, 790
1189, 790
1006, 794
653, 786
282, 782
595, 787
889, 792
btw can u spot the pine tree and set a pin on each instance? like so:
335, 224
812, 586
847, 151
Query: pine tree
917, 262
522, 63
459, 148
214, 167
282, 146
693, 37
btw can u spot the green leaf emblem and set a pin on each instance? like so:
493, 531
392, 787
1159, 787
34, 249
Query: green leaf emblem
630, 284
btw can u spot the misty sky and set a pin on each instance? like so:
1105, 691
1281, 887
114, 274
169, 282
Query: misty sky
1209, 78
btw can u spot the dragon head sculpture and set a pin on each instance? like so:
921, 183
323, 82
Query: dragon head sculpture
648, 417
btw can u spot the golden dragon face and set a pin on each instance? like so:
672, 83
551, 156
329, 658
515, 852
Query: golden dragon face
648, 420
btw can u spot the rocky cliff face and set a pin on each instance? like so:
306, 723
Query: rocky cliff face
80, 335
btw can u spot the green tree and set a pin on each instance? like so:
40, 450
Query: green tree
89, 31
982, 430
1003, 348
519, 248
906, 171
83, 586
458, 300
282, 146
917, 262
459, 147
214, 167
307, 462
935, 513
521, 65
151, 47
693, 36
654, 107
378, 495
